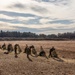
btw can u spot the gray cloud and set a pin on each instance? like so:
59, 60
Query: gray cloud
22, 29
14, 21
48, 30
17, 5
28, 22
33, 21
16, 14
26, 29
61, 22
39, 9
36, 19
57, 2
51, 0
35, 7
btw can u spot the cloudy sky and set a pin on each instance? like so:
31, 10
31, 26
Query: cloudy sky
38, 16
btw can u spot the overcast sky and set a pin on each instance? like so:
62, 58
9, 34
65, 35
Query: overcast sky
38, 16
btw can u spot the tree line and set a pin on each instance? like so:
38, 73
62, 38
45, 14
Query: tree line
30, 35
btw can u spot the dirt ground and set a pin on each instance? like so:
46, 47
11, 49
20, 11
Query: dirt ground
9, 65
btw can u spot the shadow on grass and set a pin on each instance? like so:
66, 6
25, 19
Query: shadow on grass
58, 59
29, 58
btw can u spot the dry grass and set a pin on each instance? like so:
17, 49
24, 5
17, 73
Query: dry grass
40, 65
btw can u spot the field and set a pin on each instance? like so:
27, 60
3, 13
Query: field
9, 65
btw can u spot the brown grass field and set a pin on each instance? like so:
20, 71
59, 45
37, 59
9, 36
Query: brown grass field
9, 65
